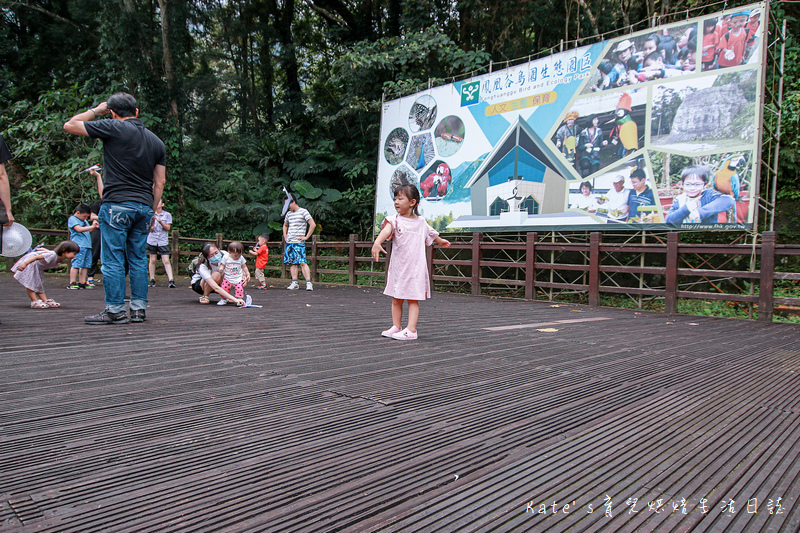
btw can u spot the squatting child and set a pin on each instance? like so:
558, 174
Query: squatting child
407, 274
234, 271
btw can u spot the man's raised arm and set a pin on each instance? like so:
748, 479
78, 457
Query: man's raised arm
76, 126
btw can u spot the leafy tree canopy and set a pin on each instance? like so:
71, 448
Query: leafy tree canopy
252, 95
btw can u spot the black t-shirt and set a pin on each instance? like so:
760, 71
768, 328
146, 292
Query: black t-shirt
5, 153
130, 154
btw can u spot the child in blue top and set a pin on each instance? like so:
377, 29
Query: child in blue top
80, 233
698, 203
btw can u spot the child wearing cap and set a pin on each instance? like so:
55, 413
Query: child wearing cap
732, 43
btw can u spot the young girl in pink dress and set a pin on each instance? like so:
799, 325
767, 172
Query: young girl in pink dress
407, 274
30, 268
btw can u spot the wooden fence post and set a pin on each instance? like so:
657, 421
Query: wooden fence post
594, 268
175, 251
314, 258
351, 258
284, 267
476, 264
767, 282
530, 266
671, 283
219, 241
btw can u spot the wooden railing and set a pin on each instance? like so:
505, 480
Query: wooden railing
534, 268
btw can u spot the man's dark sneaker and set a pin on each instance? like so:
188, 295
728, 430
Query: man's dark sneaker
109, 318
172, 284
152, 283
137, 315
74, 285
85, 286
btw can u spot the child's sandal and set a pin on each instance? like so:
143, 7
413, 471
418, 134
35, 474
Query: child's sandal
204, 300
52, 303
38, 304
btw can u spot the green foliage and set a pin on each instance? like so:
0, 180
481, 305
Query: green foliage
252, 95
440, 223
46, 171
787, 217
404, 64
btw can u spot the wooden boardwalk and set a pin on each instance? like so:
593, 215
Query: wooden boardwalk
505, 415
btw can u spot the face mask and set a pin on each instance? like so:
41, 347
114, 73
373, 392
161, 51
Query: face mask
215, 259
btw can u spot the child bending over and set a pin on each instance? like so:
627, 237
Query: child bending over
30, 268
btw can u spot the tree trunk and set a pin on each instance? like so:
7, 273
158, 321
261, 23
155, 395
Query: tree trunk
626, 15
288, 53
130, 9
169, 64
592, 18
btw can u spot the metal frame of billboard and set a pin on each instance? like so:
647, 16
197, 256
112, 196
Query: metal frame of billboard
428, 163
772, 111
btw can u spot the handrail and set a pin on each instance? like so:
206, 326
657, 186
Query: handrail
533, 265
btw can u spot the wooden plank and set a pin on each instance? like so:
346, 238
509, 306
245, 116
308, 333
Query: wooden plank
300, 417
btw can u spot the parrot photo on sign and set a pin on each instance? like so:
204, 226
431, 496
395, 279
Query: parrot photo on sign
727, 180
435, 185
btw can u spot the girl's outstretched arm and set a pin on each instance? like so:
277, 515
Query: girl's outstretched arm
28, 261
382, 236
444, 243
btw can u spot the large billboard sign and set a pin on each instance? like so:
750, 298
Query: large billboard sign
657, 129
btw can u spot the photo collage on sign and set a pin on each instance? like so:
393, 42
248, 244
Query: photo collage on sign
658, 128
419, 149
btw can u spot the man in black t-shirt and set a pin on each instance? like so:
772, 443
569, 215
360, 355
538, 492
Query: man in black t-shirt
5, 188
135, 172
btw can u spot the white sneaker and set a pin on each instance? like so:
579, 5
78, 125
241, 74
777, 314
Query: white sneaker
293, 286
309, 286
222, 302
405, 335
391, 331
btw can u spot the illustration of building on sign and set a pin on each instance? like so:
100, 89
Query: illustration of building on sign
519, 180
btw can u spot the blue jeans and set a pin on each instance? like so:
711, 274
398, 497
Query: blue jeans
123, 229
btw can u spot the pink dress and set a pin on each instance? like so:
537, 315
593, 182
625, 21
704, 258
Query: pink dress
33, 276
407, 275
